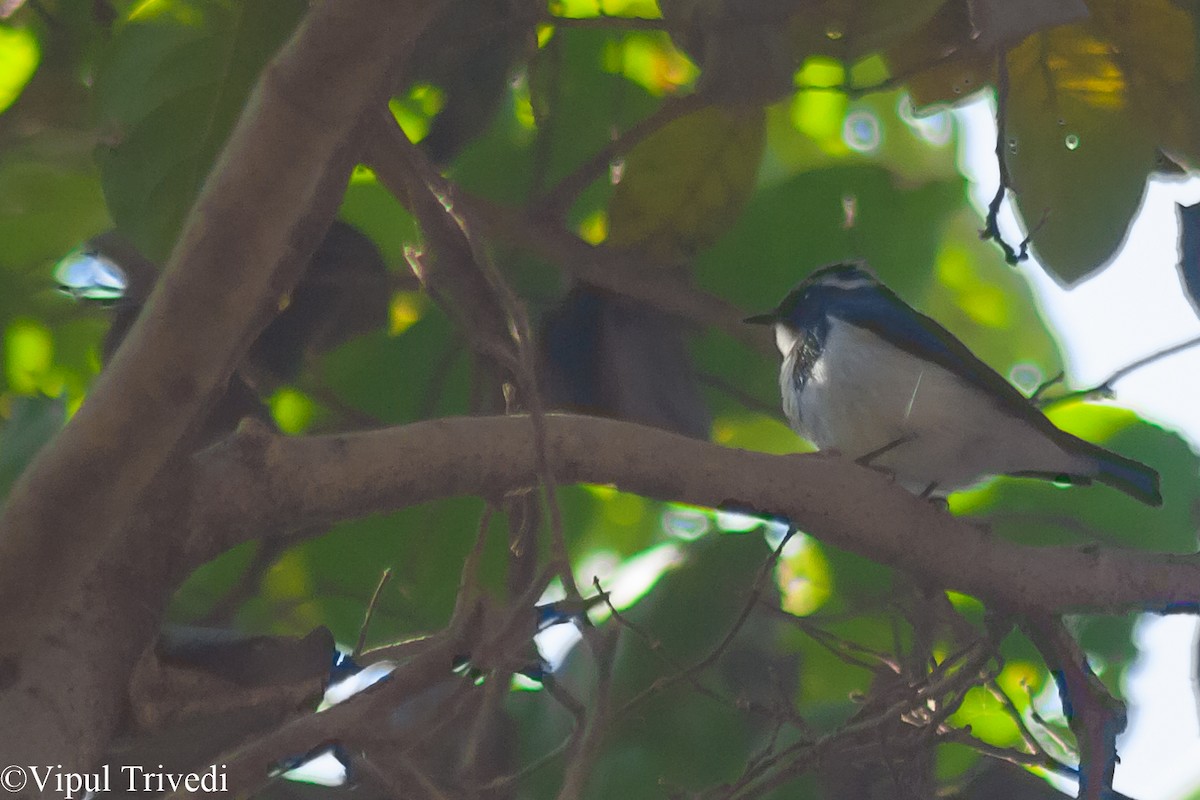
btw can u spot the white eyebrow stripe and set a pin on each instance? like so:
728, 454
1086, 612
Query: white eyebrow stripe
857, 281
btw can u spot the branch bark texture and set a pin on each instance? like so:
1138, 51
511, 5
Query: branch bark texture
68, 521
262, 481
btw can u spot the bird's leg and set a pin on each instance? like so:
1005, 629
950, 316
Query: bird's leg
940, 502
865, 461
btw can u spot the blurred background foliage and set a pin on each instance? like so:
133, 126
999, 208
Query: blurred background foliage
825, 137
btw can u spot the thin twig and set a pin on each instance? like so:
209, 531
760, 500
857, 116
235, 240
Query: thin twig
468, 580
370, 612
556, 202
1042, 760
1027, 738
992, 226
840, 648
703, 664
655, 646
1105, 387
265, 556
578, 719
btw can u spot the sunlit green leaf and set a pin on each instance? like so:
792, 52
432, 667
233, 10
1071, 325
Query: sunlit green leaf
1038, 512
19, 54
28, 355
576, 81
988, 718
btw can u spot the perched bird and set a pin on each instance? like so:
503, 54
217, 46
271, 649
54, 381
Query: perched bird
868, 376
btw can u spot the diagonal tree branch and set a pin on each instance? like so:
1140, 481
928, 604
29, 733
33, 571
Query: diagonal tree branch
622, 273
259, 480
67, 546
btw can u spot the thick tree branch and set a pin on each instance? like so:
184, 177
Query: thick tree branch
258, 480
67, 523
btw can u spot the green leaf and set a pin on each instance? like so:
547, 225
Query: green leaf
795, 226
1040, 513
1078, 149
1156, 42
330, 579
989, 306
987, 717
372, 209
419, 373
19, 55
576, 80
1109, 642
48, 209
684, 185
168, 91
679, 737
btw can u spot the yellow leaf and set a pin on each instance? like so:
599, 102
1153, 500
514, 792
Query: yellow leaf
18, 60
684, 185
1154, 43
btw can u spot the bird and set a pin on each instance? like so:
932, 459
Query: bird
866, 375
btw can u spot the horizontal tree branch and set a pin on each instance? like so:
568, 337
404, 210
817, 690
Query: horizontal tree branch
258, 480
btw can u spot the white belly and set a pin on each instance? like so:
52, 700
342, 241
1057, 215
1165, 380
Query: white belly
864, 394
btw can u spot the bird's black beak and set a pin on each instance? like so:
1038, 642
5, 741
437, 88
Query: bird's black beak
761, 319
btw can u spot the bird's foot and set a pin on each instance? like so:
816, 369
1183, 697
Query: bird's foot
868, 459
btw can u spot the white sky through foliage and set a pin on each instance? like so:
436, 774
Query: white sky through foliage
1131, 309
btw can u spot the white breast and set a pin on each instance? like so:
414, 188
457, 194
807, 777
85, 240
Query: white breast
864, 394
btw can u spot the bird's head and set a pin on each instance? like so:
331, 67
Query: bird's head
807, 304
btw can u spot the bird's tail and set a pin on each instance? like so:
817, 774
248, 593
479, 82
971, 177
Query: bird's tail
1132, 477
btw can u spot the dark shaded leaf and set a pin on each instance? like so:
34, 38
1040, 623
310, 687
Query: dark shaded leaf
1077, 154
33, 421
1005, 22
607, 356
469, 51
684, 185
1189, 252
797, 225
678, 737
169, 89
